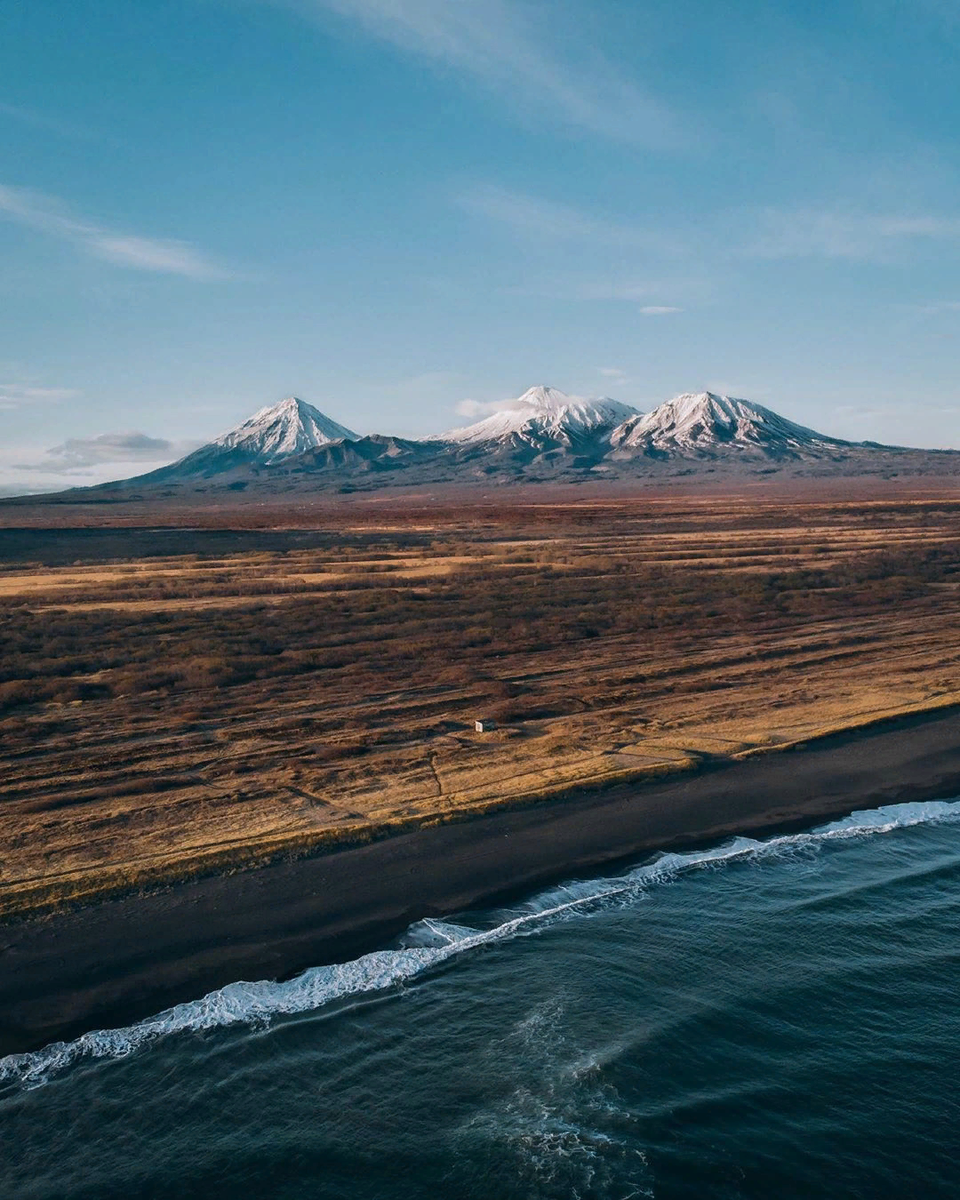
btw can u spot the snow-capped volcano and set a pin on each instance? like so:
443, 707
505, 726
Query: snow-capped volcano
544, 414
544, 436
701, 424
279, 430
272, 435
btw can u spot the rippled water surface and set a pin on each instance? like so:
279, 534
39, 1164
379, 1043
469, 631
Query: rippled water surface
763, 1019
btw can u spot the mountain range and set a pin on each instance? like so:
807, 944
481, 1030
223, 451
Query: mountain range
544, 435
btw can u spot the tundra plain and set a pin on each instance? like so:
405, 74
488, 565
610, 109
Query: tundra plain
186, 691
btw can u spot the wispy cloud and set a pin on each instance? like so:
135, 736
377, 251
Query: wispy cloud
27, 470
587, 289
51, 216
845, 234
936, 307
943, 12
535, 217
36, 120
612, 373
519, 52
131, 446
659, 310
656, 251
19, 395
80, 462
476, 409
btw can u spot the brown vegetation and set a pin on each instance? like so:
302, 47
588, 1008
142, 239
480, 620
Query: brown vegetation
180, 700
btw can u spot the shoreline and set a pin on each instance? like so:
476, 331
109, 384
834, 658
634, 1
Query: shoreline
118, 961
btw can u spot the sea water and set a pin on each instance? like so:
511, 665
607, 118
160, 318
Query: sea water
764, 1018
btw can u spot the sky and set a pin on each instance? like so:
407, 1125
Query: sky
405, 211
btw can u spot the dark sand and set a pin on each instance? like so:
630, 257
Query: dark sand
116, 962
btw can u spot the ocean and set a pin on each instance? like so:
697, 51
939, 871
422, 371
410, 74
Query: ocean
764, 1018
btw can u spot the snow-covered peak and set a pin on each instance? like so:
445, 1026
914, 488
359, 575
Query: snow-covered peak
703, 422
279, 430
543, 397
544, 412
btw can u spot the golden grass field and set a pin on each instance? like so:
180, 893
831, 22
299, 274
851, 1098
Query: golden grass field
312, 677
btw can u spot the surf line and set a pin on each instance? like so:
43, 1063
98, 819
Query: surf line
256, 1003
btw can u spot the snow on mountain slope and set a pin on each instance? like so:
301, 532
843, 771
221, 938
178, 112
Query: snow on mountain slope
544, 436
706, 425
543, 414
283, 429
273, 435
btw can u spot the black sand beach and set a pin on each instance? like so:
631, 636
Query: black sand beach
113, 963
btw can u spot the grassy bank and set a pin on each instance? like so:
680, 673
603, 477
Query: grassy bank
197, 705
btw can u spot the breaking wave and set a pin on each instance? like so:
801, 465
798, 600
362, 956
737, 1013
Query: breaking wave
430, 942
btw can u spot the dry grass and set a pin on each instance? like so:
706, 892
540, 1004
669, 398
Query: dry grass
167, 713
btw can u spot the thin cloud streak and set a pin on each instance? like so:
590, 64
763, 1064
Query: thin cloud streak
696, 290
35, 120
499, 45
132, 446
533, 217
774, 233
18, 395
479, 408
939, 306
165, 256
809, 233
82, 462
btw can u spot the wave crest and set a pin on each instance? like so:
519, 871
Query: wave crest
431, 941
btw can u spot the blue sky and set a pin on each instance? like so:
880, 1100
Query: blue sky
406, 210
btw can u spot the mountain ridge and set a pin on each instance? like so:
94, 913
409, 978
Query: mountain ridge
288, 427
542, 436
543, 414
272, 434
701, 424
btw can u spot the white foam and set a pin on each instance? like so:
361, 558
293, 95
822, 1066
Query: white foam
431, 941
891, 816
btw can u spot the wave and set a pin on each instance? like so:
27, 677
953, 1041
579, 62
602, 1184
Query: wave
430, 942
